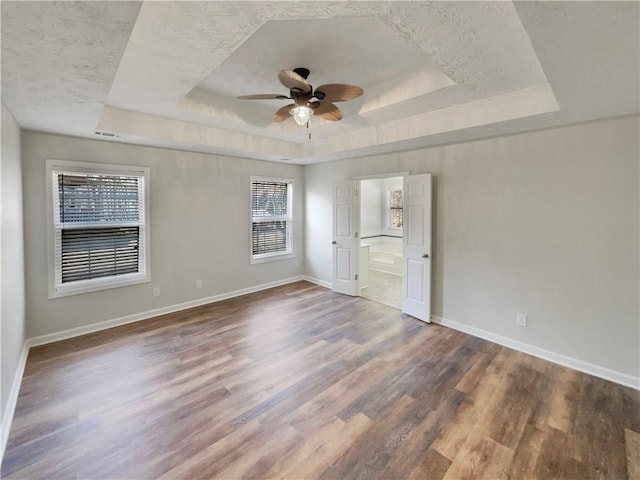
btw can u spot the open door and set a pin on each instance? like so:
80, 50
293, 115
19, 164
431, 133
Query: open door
345, 237
416, 247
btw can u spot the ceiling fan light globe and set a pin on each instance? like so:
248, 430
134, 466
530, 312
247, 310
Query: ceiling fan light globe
301, 114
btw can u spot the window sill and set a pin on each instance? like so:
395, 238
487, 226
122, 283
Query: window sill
272, 258
96, 285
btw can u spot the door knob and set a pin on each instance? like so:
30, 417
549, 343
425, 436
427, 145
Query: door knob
334, 242
424, 255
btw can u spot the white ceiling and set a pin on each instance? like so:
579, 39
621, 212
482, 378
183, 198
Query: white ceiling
167, 73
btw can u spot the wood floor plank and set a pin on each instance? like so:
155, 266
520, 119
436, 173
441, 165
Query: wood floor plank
507, 417
631, 413
433, 466
599, 429
368, 457
318, 453
525, 455
259, 456
471, 414
480, 457
562, 407
632, 440
560, 458
417, 448
300, 382
201, 464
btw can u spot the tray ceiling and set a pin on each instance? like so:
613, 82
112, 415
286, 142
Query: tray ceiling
167, 73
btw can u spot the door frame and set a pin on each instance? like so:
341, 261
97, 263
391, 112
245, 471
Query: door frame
381, 175
359, 179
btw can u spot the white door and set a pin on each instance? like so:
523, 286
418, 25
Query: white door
345, 237
416, 247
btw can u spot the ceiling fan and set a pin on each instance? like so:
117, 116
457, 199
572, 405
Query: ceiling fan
307, 101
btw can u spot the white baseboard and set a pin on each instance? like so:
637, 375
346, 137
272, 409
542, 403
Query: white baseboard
574, 363
7, 417
136, 317
317, 281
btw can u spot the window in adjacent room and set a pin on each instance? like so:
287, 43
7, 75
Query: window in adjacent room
98, 226
395, 209
271, 219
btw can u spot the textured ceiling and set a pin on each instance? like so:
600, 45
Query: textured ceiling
392, 70
167, 73
59, 59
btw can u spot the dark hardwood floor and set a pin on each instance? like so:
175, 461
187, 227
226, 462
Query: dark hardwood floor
299, 382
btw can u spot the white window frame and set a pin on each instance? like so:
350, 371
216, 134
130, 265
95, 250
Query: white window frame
54, 230
273, 256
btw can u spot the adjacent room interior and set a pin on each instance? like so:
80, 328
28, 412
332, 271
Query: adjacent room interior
380, 256
320, 239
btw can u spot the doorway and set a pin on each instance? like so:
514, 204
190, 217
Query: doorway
415, 240
380, 256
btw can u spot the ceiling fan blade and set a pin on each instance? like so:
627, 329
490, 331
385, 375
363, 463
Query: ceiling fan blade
338, 92
292, 80
283, 113
263, 96
328, 111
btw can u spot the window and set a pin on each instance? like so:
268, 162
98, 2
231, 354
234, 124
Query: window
271, 219
98, 235
395, 209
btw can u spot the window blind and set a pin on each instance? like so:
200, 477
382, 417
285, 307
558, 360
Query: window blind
100, 226
101, 252
98, 198
270, 237
395, 206
271, 217
269, 199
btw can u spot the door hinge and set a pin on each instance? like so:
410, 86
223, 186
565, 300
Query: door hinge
356, 276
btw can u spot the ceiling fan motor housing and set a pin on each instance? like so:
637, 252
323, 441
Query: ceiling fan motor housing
300, 97
303, 72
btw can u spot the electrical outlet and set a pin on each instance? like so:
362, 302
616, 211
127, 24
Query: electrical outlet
156, 291
521, 319
198, 283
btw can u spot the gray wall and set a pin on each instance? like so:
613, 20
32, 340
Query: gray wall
200, 230
12, 296
371, 207
543, 223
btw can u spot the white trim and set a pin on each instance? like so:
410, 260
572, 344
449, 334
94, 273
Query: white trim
136, 317
564, 360
317, 281
382, 175
76, 288
9, 410
271, 257
90, 167
97, 284
275, 256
